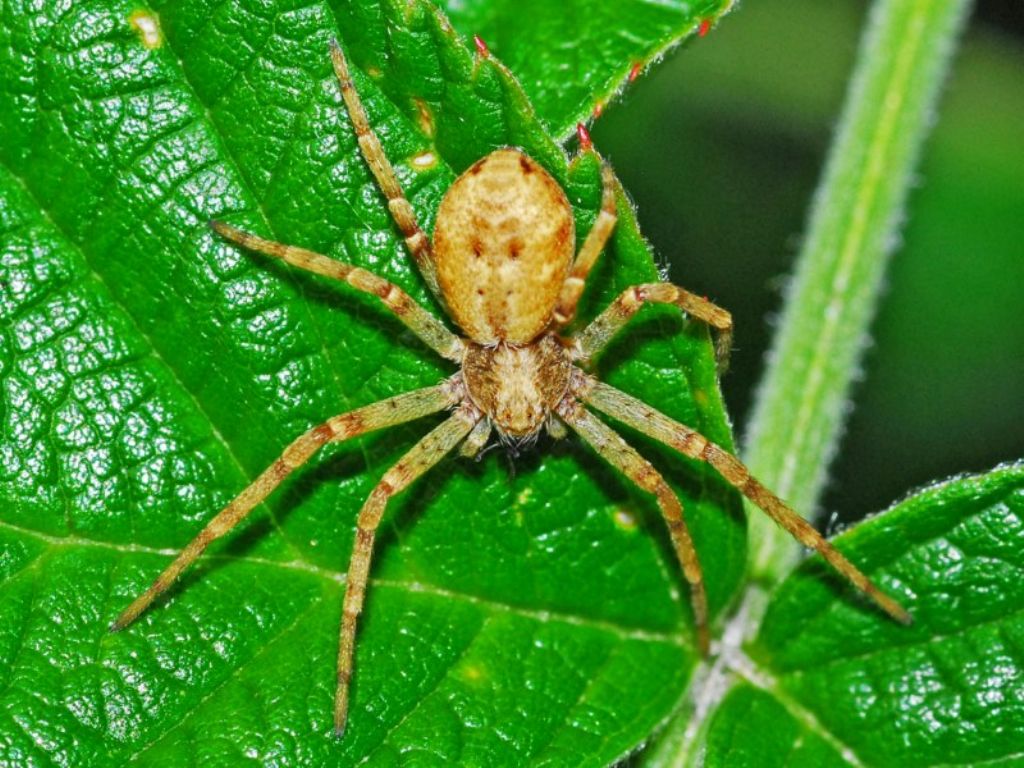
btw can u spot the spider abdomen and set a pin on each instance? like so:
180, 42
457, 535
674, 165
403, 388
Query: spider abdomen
503, 243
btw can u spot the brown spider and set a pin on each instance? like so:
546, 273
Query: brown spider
501, 261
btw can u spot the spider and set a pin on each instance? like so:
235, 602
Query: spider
501, 262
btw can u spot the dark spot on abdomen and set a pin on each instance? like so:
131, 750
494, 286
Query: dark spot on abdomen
563, 231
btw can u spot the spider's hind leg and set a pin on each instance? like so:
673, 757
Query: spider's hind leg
384, 173
599, 233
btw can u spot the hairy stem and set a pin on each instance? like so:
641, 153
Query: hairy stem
803, 401
903, 58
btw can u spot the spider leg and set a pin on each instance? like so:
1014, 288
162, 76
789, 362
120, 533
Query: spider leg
556, 428
369, 144
620, 454
691, 443
477, 440
427, 327
592, 339
424, 455
599, 233
385, 413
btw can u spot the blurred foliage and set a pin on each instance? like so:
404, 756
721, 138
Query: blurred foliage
721, 150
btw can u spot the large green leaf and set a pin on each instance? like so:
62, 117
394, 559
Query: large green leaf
574, 56
149, 371
842, 683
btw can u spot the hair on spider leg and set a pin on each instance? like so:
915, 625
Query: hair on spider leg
833, 526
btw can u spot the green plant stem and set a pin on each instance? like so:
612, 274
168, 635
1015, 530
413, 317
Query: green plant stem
801, 406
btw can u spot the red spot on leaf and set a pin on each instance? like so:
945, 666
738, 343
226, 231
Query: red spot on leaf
634, 73
598, 109
481, 46
705, 26
584, 136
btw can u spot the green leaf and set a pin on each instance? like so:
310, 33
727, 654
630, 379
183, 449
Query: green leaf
575, 56
149, 371
751, 729
945, 691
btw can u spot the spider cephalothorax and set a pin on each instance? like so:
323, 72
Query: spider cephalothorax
517, 387
502, 263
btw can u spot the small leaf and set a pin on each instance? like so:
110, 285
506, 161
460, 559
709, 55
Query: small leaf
574, 56
946, 690
149, 371
751, 729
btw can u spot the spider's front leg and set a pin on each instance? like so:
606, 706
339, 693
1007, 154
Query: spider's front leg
617, 452
595, 337
386, 413
424, 455
646, 420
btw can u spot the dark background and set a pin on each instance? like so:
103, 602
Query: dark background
721, 147
1007, 15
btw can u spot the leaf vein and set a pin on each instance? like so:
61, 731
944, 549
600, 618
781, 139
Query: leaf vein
337, 577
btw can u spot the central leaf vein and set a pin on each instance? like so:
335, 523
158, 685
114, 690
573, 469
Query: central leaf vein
337, 577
